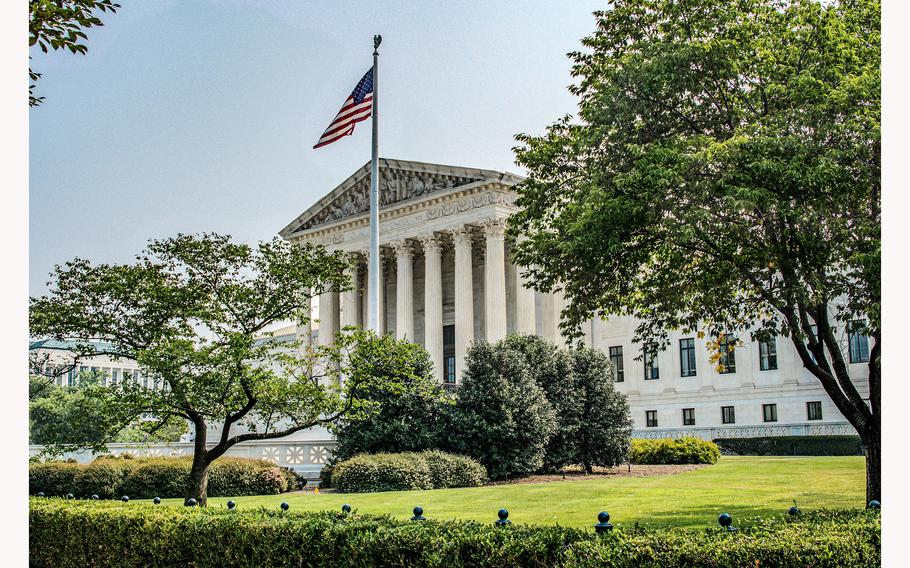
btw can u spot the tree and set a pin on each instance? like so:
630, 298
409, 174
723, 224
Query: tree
190, 311
405, 414
59, 24
723, 173
605, 431
551, 368
502, 417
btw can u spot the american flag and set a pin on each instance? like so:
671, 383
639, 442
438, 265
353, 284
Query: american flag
357, 107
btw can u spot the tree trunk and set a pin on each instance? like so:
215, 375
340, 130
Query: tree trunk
199, 480
873, 445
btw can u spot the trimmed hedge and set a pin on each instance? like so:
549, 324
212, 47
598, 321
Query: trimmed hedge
432, 469
74, 534
792, 446
144, 478
685, 450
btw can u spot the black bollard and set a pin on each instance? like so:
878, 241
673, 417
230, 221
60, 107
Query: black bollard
40, 494
125, 498
603, 523
793, 511
418, 514
69, 495
94, 497
346, 509
285, 506
875, 504
189, 502
156, 500
503, 518
726, 521
231, 505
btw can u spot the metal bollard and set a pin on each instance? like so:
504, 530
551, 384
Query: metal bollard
418, 514
726, 521
346, 509
603, 525
503, 518
231, 505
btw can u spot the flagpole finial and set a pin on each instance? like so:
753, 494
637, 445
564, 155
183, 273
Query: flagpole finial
377, 39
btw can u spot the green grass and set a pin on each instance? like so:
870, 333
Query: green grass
746, 487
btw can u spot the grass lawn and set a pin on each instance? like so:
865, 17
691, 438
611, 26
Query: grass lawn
746, 487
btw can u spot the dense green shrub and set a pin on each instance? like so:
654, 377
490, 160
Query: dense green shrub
368, 473
686, 450
73, 534
502, 417
143, 478
432, 469
606, 426
408, 418
792, 446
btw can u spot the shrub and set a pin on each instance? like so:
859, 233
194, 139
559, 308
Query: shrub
686, 450
792, 446
502, 417
68, 534
144, 478
404, 471
368, 473
604, 437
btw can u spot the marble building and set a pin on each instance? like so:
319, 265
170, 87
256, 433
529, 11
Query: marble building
447, 280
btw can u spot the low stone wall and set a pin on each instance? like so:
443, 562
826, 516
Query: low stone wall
712, 433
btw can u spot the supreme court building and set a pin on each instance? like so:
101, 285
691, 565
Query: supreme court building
447, 280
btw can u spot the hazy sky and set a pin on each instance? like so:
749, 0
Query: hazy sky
191, 116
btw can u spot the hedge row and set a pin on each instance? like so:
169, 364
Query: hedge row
144, 478
72, 534
686, 450
406, 471
792, 446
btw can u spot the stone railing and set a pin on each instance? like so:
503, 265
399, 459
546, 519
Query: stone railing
306, 457
711, 433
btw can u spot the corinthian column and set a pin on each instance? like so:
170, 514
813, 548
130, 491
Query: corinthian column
495, 279
524, 304
464, 297
366, 290
349, 297
404, 292
432, 298
328, 317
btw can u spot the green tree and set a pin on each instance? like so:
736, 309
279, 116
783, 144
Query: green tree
406, 413
59, 24
605, 431
723, 173
191, 311
502, 417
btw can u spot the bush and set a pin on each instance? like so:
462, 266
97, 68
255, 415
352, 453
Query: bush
502, 417
686, 450
792, 446
144, 478
604, 438
72, 534
369, 473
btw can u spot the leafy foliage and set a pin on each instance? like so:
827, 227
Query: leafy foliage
605, 422
432, 469
59, 24
145, 478
723, 172
686, 450
502, 417
68, 534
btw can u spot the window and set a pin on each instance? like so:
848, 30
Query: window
688, 417
651, 418
767, 354
448, 353
650, 359
770, 412
814, 410
727, 415
450, 370
71, 377
616, 359
727, 348
687, 357
859, 342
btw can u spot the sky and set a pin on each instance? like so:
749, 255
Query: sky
197, 116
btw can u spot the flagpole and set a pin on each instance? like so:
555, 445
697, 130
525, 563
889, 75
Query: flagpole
373, 272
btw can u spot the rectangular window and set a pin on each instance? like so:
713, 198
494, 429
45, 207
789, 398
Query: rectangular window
688, 417
650, 359
616, 359
859, 342
448, 354
769, 411
450, 370
651, 418
727, 348
814, 410
687, 357
767, 354
727, 415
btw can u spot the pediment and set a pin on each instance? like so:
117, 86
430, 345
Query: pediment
399, 181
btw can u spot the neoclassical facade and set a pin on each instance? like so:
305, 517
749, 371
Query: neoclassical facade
447, 280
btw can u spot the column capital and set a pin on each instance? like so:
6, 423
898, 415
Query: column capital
461, 236
494, 227
402, 248
430, 243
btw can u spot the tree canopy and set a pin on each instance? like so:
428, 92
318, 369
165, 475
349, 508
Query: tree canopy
722, 173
